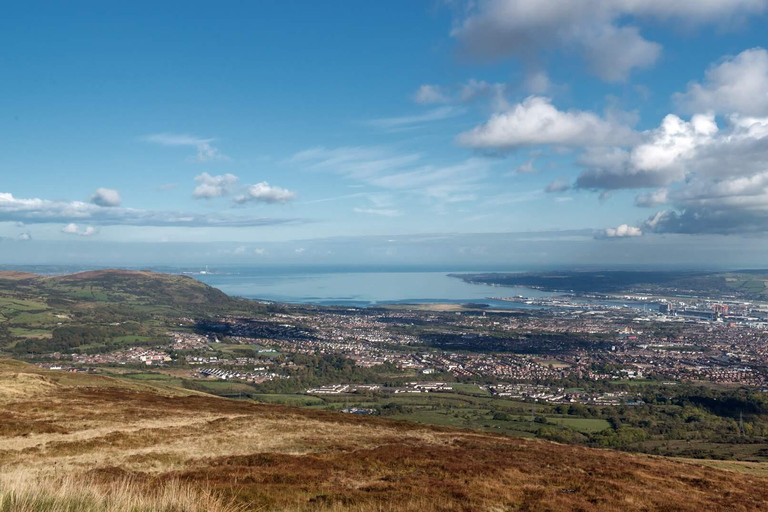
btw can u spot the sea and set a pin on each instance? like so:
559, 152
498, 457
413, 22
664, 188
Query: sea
360, 287
350, 286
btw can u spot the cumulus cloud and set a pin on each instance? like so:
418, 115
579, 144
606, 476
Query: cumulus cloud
474, 89
464, 92
651, 199
213, 186
604, 32
536, 122
623, 231
737, 204
660, 160
74, 229
717, 220
205, 151
264, 193
24, 236
430, 94
41, 211
538, 82
714, 177
559, 185
106, 197
736, 85
260, 251
614, 52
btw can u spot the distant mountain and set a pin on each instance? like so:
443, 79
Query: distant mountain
746, 284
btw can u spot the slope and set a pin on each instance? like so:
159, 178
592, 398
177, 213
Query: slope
95, 436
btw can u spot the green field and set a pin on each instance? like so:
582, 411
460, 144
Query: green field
23, 332
293, 400
151, 376
580, 424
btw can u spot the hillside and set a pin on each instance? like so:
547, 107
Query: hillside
119, 286
95, 443
100, 310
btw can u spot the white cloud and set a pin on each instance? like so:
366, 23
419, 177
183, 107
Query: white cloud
106, 197
473, 89
437, 114
651, 199
379, 211
536, 122
300, 250
526, 168
383, 168
41, 211
658, 161
623, 231
559, 185
259, 251
538, 82
213, 186
429, 94
512, 198
205, 151
264, 193
25, 236
74, 229
604, 32
713, 176
239, 250
614, 52
359, 163
736, 85
465, 92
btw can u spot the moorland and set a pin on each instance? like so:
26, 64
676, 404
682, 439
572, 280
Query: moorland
70, 441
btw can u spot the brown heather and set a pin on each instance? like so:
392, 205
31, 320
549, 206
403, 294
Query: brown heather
79, 442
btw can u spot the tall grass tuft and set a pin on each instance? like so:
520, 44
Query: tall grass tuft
27, 492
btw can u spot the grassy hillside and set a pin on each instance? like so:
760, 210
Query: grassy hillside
120, 286
65, 313
94, 443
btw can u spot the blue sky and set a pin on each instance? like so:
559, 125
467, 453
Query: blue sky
402, 132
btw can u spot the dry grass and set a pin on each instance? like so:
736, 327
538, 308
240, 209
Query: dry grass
12, 275
116, 439
28, 492
15, 386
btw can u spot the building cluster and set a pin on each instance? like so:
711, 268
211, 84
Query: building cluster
556, 395
338, 389
188, 341
529, 348
422, 387
131, 355
256, 377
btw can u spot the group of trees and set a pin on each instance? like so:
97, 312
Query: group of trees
317, 370
69, 339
